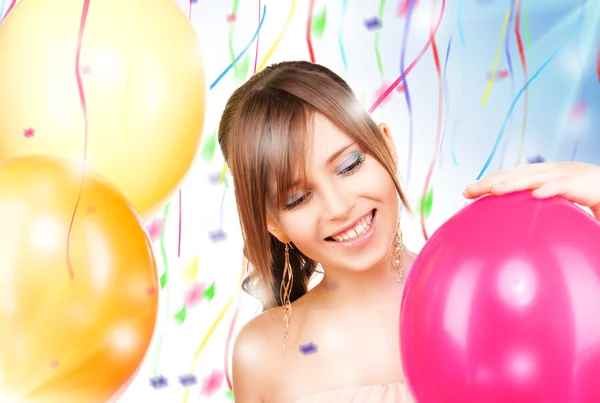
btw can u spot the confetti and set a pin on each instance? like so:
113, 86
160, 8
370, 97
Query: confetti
181, 315
207, 152
319, 22
163, 280
403, 88
309, 348
8, 10
425, 204
381, 90
217, 235
159, 382
188, 380
209, 293
195, 295
241, 69
438, 69
403, 6
229, 395
412, 64
230, 18
154, 228
212, 383
54, 363
190, 270
538, 159
82, 23
28, 133
578, 112
151, 290
522, 90
243, 51
373, 23
290, 15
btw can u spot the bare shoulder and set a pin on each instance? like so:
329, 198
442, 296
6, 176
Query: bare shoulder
256, 358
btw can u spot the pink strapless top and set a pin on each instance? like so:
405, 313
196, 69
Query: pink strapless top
390, 393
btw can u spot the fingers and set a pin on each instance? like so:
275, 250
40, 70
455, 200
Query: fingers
512, 180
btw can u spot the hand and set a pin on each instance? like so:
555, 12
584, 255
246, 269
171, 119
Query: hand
577, 182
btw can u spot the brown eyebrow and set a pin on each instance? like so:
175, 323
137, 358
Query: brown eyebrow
339, 152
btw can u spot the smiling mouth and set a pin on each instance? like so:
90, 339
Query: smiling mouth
357, 232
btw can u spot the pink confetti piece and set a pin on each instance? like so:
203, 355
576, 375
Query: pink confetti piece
212, 383
151, 290
195, 295
578, 112
28, 133
86, 70
154, 228
230, 18
54, 363
373, 23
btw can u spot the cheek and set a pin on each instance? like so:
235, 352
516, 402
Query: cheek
300, 227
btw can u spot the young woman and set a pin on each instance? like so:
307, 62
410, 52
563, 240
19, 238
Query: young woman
316, 182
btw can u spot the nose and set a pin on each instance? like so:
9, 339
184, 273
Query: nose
338, 204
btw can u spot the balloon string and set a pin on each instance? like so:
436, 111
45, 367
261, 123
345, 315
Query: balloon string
279, 37
311, 10
84, 13
438, 69
409, 12
490, 84
463, 45
391, 88
376, 45
164, 282
10, 7
215, 324
243, 51
524, 64
340, 38
230, 335
257, 38
522, 90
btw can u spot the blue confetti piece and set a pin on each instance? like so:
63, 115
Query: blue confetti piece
309, 348
538, 159
159, 382
188, 380
373, 23
218, 235
214, 178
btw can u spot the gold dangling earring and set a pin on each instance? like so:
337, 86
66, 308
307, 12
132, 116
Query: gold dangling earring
285, 291
397, 262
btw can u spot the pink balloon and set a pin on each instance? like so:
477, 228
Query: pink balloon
503, 305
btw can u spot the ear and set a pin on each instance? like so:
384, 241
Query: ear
276, 230
389, 140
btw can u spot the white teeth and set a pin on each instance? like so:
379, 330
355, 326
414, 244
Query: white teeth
360, 228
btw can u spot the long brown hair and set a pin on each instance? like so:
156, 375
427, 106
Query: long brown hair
264, 135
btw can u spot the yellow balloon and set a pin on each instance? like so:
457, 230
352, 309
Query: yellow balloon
142, 78
70, 338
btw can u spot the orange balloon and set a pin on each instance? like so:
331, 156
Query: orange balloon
63, 338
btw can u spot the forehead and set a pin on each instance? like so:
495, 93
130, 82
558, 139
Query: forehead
327, 138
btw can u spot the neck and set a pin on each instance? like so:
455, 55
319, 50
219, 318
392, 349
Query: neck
347, 288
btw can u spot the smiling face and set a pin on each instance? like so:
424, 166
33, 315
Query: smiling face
345, 215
